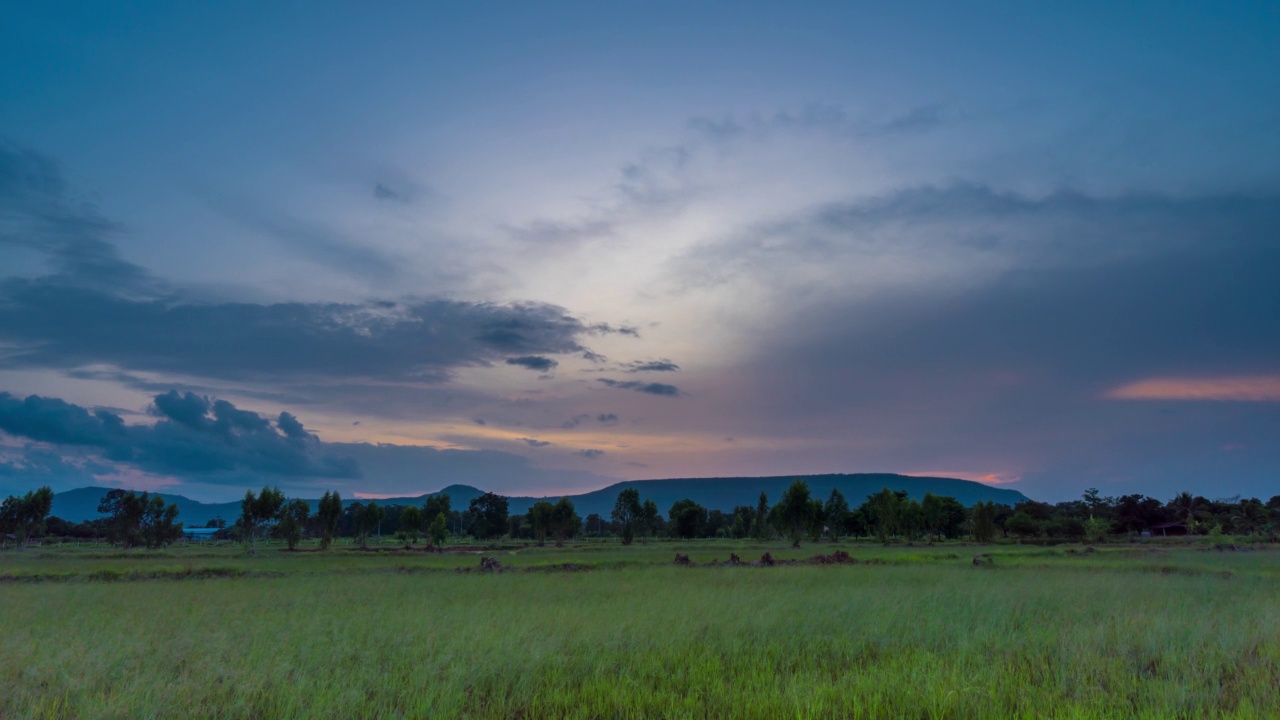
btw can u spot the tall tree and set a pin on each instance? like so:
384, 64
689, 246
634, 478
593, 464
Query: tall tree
258, 510
564, 520
626, 511
490, 511
438, 530
984, 521
159, 522
688, 518
837, 513
435, 505
410, 525
761, 525
795, 510
330, 514
649, 517
542, 519
25, 516
368, 519
293, 519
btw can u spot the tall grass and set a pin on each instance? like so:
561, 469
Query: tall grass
924, 636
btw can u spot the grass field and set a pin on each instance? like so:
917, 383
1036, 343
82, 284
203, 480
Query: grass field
1150, 631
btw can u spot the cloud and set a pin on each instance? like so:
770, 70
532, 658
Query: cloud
1025, 316
1263, 388
533, 362
96, 309
38, 213
575, 421
319, 242
650, 388
382, 192
193, 435
591, 453
652, 366
607, 418
531, 442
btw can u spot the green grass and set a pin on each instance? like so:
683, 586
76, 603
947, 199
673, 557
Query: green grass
1131, 631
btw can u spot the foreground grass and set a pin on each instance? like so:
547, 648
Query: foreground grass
1174, 633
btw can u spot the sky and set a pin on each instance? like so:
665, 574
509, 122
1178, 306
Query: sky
541, 247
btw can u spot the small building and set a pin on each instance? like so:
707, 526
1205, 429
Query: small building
200, 533
1173, 528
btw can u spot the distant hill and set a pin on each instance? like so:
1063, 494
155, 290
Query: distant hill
713, 493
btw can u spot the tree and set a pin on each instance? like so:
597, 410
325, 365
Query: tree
410, 525
258, 510
649, 517
626, 511
490, 511
1022, 524
762, 517
159, 526
140, 519
943, 516
125, 510
564, 520
984, 521
330, 514
795, 510
25, 516
542, 519
368, 518
688, 517
885, 513
293, 518
836, 512
435, 505
438, 530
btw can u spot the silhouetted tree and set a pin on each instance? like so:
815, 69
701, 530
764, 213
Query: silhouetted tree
25, 516
795, 510
329, 514
410, 525
293, 519
258, 510
490, 511
626, 511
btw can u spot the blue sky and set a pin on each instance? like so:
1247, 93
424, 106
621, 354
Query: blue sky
538, 247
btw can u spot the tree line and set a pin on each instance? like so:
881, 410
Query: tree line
142, 520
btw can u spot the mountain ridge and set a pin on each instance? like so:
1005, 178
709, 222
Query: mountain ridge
721, 493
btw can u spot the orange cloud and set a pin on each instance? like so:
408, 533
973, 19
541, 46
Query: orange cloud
1257, 388
984, 478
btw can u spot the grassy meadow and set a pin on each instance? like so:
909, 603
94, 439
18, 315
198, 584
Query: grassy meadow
597, 630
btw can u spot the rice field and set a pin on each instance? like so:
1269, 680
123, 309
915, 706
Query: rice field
597, 630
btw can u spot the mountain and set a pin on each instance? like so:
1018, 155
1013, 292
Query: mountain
713, 493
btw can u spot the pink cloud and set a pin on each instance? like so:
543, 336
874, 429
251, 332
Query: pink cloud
1257, 388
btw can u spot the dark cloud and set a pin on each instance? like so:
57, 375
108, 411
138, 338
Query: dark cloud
533, 362
1070, 296
478, 421
532, 442
38, 213
650, 388
652, 366
382, 192
193, 435
591, 453
917, 120
96, 309
559, 232
607, 419
575, 421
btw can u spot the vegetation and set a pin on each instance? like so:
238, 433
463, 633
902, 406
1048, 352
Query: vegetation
1161, 628
24, 517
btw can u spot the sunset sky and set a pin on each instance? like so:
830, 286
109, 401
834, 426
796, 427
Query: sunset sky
540, 247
